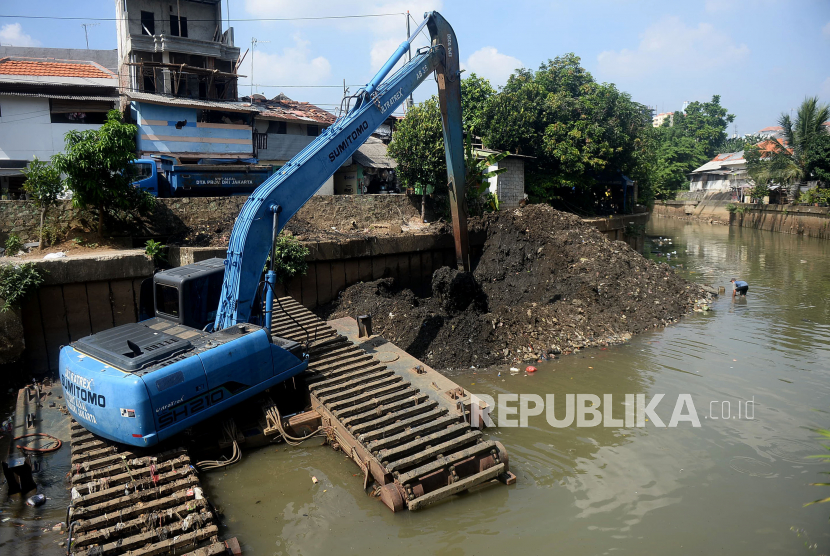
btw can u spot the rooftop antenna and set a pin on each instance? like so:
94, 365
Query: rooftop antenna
86, 33
254, 41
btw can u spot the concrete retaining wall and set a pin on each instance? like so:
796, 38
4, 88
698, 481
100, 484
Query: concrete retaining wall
788, 219
82, 295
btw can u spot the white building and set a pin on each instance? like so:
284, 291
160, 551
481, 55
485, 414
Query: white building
40, 101
725, 172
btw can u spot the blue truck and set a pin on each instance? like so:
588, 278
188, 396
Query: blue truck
165, 177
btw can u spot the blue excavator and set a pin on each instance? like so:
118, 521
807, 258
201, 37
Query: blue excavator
206, 344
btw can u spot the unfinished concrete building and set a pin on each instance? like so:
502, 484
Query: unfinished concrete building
176, 48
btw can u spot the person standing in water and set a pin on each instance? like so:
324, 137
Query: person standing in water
741, 287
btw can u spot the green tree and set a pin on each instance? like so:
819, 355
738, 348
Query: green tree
806, 129
685, 142
736, 144
817, 159
804, 153
475, 93
705, 123
576, 128
43, 183
97, 167
418, 148
478, 174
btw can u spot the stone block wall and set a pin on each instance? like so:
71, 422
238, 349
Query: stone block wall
181, 216
511, 184
23, 218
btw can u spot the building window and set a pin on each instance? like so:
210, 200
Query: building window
260, 141
312, 130
280, 128
174, 26
148, 23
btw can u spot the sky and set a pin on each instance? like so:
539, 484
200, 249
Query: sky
761, 56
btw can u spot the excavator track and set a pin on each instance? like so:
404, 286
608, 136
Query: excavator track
404, 424
137, 502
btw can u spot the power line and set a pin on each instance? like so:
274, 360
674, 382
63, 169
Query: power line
310, 18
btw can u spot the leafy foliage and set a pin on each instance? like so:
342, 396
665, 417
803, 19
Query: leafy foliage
816, 195
97, 167
43, 183
479, 197
694, 138
290, 258
154, 250
805, 153
475, 93
577, 129
13, 245
418, 148
16, 282
817, 159
735, 144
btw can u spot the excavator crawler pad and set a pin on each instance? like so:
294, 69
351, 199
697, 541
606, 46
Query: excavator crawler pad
405, 425
137, 502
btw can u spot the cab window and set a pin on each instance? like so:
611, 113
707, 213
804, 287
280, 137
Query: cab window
143, 171
167, 300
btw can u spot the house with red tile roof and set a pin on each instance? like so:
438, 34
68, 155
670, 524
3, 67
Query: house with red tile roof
41, 99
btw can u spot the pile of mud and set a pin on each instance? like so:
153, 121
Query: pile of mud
545, 283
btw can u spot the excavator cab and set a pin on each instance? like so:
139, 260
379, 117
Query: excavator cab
142, 382
187, 295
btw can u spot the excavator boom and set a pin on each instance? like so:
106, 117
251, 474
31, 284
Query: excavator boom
294, 184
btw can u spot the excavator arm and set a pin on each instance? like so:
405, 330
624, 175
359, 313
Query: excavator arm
274, 202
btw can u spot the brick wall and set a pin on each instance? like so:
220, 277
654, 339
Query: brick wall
511, 184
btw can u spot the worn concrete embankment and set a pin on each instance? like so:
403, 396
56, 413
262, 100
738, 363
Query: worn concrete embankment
87, 293
788, 219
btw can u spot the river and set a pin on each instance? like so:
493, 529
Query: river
734, 485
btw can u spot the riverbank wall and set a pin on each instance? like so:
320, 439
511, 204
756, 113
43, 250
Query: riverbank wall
810, 221
84, 294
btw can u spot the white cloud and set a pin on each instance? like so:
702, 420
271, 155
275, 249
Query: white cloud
293, 66
385, 33
826, 30
12, 34
669, 46
490, 63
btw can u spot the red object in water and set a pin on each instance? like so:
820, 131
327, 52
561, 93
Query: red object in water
530, 369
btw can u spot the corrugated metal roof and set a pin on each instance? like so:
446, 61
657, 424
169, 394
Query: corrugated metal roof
282, 108
721, 161
227, 106
61, 97
373, 154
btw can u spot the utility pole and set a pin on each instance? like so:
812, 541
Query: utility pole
409, 53
86, 34
254, 42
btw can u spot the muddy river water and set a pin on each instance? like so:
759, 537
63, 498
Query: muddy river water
732, 485
735, 484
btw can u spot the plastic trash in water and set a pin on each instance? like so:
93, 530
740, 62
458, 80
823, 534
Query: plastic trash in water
36, 500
